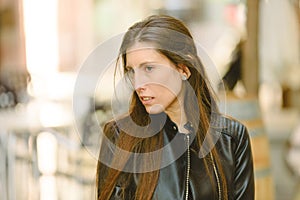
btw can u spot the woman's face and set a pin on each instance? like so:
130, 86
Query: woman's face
157, 81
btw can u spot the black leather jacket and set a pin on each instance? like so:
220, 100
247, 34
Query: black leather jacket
233, 146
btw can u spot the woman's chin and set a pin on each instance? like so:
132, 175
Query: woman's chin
155, 109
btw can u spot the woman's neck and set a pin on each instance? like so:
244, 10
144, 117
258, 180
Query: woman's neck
178, 116
176, 112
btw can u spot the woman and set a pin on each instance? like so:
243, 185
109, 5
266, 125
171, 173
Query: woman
173, 143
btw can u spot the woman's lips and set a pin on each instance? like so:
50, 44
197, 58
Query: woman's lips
146, 100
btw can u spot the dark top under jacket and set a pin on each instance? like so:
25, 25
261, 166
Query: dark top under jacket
182, 163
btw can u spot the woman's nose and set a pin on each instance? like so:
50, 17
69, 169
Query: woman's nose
139, 81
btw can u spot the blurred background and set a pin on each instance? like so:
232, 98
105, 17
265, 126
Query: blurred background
46, 154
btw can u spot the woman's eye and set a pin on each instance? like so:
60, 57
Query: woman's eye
148, 68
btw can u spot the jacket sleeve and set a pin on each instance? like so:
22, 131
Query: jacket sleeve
244, 175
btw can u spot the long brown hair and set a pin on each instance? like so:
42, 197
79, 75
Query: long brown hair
171, 38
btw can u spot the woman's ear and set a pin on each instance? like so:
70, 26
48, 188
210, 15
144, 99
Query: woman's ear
184, 70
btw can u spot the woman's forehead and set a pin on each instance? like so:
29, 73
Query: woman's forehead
137, 56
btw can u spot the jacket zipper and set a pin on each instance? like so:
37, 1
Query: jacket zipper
188, 168
217, 177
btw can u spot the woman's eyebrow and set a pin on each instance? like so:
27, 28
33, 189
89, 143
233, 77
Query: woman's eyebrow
147, 63
142, 64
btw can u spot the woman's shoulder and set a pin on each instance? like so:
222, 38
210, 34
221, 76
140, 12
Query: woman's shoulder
228, 126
